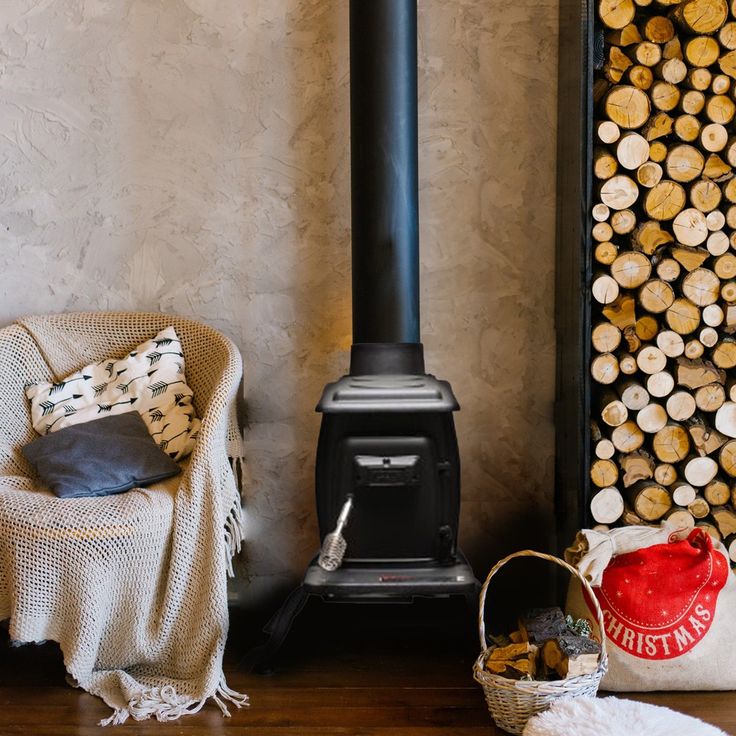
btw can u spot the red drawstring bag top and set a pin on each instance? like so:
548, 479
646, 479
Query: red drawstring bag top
660, 601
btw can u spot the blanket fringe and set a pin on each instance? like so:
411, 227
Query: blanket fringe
165, 705
234, 535
237, 465
224, 693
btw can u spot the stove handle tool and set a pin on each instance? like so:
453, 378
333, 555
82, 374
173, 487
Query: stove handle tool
334, 545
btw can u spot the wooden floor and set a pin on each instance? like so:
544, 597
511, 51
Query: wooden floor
370, 670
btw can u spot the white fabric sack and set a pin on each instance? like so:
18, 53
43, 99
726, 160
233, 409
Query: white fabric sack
669, 611
593, 550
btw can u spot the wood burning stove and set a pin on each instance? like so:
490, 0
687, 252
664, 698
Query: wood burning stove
387, 442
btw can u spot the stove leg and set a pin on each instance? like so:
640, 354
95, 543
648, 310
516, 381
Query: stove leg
278, 628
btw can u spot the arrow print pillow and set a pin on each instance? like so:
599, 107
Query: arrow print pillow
150, 380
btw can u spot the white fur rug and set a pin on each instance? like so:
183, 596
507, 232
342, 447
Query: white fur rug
615, 717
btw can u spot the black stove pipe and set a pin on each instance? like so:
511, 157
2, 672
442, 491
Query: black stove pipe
384, 181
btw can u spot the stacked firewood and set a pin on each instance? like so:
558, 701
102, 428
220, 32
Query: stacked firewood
547, 646
664, 284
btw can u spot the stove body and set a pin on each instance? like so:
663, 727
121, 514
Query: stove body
389, 440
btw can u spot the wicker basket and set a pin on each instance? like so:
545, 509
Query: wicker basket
513, 702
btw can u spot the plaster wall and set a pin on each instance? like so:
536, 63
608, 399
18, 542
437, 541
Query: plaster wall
192, 156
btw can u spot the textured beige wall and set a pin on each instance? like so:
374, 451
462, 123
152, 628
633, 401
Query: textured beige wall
193, 156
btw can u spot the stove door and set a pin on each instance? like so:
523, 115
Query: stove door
397, 510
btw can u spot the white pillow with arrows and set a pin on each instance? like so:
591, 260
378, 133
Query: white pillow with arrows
150, 380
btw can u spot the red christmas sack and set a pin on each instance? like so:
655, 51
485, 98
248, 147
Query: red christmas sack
670, 613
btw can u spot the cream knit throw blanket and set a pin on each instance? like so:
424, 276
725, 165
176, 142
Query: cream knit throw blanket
134, 586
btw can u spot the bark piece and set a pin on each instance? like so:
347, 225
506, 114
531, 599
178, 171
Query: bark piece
705, 439
541, 624
693, 374
725, 520
571, 656
649, 235
621, 312
636, 466
513, 661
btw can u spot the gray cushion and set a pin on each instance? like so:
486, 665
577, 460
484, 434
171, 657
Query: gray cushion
108, 455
